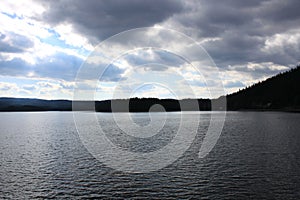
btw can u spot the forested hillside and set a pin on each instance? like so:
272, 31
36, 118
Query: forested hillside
278, 92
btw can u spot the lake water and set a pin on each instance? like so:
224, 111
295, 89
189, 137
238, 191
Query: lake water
256, 157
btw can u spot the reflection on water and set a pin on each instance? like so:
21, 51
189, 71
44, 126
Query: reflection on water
257, 156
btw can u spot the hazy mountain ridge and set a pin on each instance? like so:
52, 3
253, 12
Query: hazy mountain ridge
280, 92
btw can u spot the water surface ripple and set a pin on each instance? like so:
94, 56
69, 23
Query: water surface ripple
256, 157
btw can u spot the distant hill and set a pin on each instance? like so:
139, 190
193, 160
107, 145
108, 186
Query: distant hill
24, 104
120, 105
281, 92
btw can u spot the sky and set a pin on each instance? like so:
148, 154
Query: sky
45, 46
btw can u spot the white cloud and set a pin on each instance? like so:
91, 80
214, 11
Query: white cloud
7, 86
279, 42
69, 35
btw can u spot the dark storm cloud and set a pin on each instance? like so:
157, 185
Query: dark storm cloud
244, 28
213, 17
259, 18
100, 19
281, 11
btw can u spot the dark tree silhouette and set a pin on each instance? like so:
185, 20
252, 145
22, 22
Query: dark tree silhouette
280, 92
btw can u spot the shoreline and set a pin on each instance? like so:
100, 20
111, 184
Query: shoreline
240, 110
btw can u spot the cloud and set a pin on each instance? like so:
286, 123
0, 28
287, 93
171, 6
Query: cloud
14, 43
29, 87
259, 70
101, 19
7, 48
58, 66
248, 41
7, 86
153, 59
244, 30
8, 89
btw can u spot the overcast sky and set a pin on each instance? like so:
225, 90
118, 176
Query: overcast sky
43, 44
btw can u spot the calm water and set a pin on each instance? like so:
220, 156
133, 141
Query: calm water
257, 156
